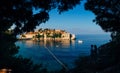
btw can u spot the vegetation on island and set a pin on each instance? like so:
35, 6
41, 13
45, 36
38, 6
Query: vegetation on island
47, 34
38, 36
104, 59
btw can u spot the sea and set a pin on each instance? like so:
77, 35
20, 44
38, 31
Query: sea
54, 55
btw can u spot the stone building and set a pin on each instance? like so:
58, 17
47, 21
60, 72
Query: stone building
48, 34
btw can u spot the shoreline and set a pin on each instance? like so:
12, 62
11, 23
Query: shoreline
36, 39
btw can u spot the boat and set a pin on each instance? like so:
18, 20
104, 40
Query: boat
80, 41
57, 45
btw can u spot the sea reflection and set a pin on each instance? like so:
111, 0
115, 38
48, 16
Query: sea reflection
62, 49
67, 51
51, 43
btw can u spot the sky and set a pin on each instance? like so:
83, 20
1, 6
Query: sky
75, 21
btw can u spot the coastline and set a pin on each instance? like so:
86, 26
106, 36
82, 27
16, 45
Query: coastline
48, 34
37, 39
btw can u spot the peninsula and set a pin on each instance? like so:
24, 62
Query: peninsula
48, 34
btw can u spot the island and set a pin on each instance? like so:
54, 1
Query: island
48, 34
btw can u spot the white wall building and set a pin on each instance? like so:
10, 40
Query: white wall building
64, 35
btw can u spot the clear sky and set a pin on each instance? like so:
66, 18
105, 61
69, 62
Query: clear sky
76, 21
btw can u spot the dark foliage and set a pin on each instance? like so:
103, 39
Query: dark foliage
22, 14
107, 13
104, 59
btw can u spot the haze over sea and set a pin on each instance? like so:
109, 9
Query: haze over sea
66, 51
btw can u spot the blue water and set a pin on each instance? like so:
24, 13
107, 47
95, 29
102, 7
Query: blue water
66, 51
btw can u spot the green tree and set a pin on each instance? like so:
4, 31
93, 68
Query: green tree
107, 14
20, 13
23, 35
40, 30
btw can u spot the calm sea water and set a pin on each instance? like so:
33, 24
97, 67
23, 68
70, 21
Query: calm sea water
64, 50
